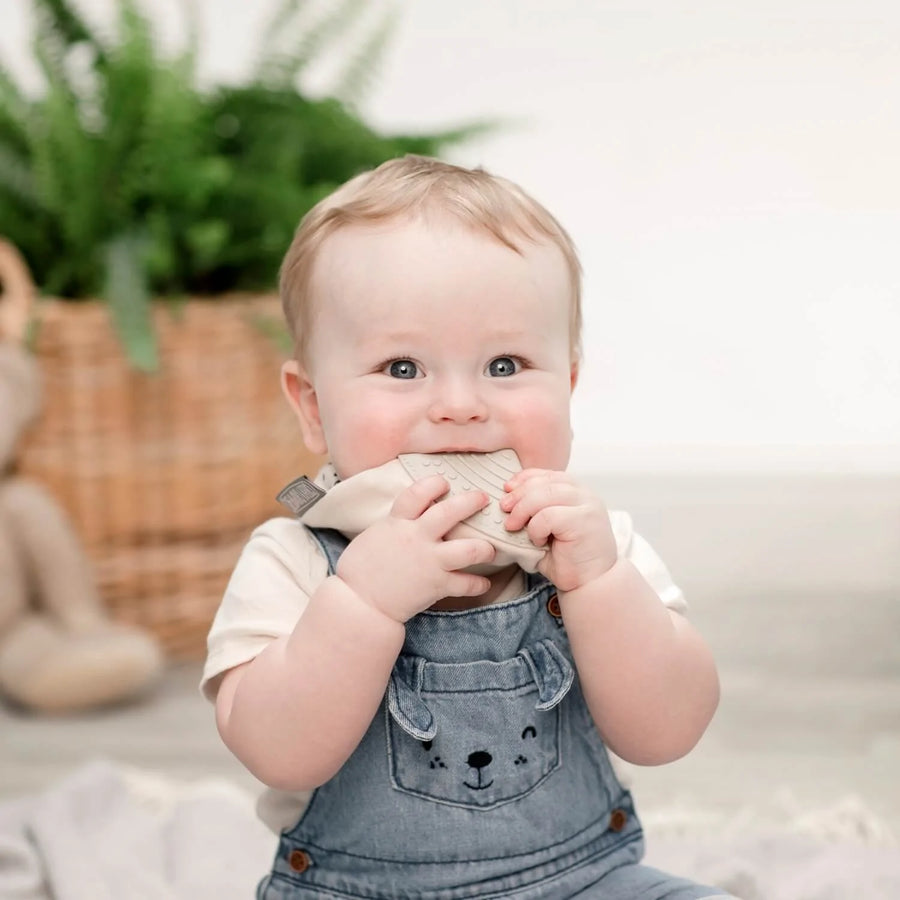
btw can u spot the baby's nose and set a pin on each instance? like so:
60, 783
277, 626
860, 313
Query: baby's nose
457, 402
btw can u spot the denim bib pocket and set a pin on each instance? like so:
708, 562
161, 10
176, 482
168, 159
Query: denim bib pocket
479, 734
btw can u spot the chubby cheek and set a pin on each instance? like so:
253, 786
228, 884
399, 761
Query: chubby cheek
364, 437
543, 435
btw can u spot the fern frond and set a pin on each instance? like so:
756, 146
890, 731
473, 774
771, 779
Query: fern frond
278, 25
15, 113
358, 74
186, 61
69, 25
62, 150
16, 179
128, 84
284, 66
49, 49
136, 38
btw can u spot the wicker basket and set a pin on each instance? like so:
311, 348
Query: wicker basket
164, 475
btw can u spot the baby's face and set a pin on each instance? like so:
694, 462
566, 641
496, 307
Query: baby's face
430, 338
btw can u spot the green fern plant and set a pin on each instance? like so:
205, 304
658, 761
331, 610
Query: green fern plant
123, 179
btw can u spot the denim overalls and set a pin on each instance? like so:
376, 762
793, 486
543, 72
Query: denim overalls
483, 775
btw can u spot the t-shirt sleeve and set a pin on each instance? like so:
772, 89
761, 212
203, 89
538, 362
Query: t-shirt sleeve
276, 573
633, 547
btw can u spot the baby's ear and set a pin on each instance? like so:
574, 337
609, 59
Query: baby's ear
573, 374
301, 395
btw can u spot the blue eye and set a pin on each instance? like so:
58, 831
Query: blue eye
503, 366
403, 368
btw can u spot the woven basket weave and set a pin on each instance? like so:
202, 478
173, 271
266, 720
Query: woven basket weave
163, 475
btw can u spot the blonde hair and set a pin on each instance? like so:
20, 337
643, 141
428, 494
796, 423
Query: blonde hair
413, 185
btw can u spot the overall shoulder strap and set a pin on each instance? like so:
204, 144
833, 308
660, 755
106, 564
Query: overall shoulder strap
333, 544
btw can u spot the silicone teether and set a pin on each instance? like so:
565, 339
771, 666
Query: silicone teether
486, 472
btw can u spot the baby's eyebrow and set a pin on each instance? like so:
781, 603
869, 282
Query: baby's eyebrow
510, 336
397, 336
397, 339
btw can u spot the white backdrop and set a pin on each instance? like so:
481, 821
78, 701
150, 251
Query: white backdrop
729, 171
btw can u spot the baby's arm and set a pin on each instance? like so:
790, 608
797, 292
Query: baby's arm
648, 677
295, 713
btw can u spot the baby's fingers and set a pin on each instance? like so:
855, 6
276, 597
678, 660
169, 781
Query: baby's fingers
419, 496
465, 584
524, 475
523, 504
463, 553
443, 516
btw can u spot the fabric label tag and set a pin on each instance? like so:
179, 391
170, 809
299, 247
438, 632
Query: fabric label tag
300, 495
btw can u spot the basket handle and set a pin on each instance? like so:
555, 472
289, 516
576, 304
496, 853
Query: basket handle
16, 293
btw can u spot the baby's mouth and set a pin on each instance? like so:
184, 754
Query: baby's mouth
461, 450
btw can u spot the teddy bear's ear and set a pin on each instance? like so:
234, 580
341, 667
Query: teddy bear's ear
16, 294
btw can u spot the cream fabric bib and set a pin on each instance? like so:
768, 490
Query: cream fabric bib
351, 506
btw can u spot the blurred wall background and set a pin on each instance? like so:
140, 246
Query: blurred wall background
729, 173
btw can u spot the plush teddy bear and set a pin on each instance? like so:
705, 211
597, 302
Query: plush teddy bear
59, 649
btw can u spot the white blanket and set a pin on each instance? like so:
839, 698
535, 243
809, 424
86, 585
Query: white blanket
109, 832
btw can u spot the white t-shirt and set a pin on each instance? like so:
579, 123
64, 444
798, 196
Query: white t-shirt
279, 569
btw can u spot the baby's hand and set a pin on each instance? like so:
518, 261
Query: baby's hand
559, 513
402, 564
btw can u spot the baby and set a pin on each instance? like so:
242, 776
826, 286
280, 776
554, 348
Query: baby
445, 681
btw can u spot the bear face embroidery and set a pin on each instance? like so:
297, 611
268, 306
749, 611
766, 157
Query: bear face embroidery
481, 763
